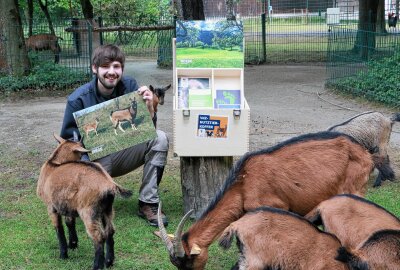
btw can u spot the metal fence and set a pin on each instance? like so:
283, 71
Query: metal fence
348, 54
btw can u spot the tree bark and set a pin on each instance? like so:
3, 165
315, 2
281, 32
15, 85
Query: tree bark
30, 16
201, 179
87, 9
13, 51
366, 36
192, 9
45, 9
380, 19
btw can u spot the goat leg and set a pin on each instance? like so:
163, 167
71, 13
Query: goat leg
99, 255
120, 127
73, 237
62, 241
110, 250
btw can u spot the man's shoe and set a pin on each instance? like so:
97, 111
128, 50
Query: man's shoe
149, 212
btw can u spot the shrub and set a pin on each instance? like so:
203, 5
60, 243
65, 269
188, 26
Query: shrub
380, 81
43, 76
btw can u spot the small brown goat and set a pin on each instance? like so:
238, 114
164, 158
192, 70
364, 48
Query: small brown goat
361, 226
372, 129
43, 42
295, 175
159, 95
71, 188
124, 115
91, 127
381, 251
271, 238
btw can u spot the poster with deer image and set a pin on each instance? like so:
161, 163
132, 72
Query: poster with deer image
115, 125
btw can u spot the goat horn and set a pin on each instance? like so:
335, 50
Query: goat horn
163, 232
179, 251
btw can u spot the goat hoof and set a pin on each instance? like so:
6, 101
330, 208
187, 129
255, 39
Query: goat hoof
73, 245
109, 263
64, 256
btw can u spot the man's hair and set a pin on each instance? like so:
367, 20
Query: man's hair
106, 54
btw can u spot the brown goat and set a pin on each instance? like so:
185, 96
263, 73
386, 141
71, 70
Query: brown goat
268, 238
372, 129
381, 251
159, 95
295, 175
71, 188
43, 42
91, 127
124, 115
361, 226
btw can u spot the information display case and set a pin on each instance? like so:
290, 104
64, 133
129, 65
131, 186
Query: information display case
210, 113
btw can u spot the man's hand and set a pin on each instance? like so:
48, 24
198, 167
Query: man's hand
148, 98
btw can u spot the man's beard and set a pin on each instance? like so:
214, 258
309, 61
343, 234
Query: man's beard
103, 81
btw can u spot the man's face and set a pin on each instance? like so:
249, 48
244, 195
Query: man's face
109, 75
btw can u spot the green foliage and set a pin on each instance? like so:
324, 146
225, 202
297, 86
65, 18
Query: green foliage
379, 82
44, 75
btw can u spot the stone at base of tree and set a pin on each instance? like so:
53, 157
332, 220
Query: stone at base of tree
201, 179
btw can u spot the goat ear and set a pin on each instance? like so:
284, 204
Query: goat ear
151, 88
81, 150
167, 87
58, 138
195, 250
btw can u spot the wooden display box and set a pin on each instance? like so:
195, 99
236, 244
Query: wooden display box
204, 130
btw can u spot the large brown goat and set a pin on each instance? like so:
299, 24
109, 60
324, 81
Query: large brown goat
43, 42
271, 238
363, 227
294, 175
372, 129
70, 187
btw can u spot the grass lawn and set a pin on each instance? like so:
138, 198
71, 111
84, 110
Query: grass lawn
28, 240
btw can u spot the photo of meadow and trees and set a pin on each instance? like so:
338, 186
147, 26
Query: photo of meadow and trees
209, 44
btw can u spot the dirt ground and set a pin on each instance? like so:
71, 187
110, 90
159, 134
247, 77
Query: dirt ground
284, 101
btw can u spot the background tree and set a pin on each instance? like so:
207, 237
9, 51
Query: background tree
87, 9
30, 16
366, 37
44, 7
192, 9
11, 32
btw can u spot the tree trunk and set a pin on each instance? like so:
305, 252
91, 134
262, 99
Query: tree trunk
366, 36
192, 9
30, 16
13, 55
201, 179
380, 19
45, 9
87, 9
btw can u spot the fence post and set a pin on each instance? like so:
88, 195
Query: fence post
100, 19
90, 41
264, 40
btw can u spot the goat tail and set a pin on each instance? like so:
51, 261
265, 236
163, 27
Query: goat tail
225, 241
395, 117
125, 193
